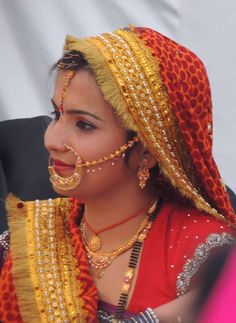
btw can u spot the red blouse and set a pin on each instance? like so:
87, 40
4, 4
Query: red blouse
179, 241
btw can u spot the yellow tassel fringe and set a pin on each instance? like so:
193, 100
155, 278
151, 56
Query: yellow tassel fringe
17, 219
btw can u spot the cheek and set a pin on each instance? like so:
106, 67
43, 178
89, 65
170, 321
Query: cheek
98, 182
111, 170
109, 173
103, 177
97, 145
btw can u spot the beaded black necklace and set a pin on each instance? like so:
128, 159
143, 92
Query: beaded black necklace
133, 263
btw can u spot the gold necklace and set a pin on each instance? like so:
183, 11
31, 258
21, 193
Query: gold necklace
95, 242
100, 260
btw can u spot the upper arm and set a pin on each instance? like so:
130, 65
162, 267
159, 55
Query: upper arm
197, 237
178, 310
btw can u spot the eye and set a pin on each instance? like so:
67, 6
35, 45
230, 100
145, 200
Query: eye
84, 125
56, 114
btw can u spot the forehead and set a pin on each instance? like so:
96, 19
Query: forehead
82, 81
82, 92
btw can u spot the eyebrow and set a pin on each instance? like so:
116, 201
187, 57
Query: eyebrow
75, 111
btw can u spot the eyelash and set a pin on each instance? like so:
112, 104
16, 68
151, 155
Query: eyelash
85, 126
81, 124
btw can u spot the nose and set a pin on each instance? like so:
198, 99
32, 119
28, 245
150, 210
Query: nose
54, 138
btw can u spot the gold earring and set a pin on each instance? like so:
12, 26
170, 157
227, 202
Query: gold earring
143, 174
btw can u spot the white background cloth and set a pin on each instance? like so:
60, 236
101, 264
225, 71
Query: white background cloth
32, 33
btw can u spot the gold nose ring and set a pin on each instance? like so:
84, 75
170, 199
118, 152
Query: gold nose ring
66, 183
71, 149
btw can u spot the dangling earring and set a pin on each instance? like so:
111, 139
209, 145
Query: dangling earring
143, 174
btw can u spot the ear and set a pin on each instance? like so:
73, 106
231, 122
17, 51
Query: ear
147, 159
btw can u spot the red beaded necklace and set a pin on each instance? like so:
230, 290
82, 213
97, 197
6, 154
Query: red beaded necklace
95, 242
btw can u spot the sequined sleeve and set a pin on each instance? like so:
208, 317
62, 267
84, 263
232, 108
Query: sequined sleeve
201, 253
197, 236
4, 243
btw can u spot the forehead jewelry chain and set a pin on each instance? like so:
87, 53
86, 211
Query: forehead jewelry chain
68, 77
68, 183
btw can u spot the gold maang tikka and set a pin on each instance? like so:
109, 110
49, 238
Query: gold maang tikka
67, 79
72, 181
68, 183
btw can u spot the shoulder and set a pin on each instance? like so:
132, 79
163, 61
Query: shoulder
185, 221
188, 228
18, 210
190, 236
185, 227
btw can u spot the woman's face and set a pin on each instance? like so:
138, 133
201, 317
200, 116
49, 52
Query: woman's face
90, 126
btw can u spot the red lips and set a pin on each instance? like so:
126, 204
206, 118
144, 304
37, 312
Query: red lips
61, 165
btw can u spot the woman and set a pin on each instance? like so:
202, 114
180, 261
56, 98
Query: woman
131, 146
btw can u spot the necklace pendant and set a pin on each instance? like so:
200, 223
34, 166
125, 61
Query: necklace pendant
98, 264
98, 272
95, 243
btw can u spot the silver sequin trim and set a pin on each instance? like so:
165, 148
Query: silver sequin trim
200, 255
4, 238
148, 316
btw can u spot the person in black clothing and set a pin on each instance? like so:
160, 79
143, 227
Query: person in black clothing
23, 162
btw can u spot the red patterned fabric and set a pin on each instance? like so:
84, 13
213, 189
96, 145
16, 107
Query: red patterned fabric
9, 310
189, 94
90, 295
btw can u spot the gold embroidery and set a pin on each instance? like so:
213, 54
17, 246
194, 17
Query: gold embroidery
51, 262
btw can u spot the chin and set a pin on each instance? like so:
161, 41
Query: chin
69, 193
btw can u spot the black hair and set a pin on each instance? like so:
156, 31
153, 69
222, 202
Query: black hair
72, 60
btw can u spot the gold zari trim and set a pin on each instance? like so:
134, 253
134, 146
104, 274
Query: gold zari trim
44, 263
131, 81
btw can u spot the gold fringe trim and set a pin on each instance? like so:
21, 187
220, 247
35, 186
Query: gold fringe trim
105, 79
44, 263
21, 271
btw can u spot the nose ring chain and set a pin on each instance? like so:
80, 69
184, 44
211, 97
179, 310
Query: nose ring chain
68, 183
